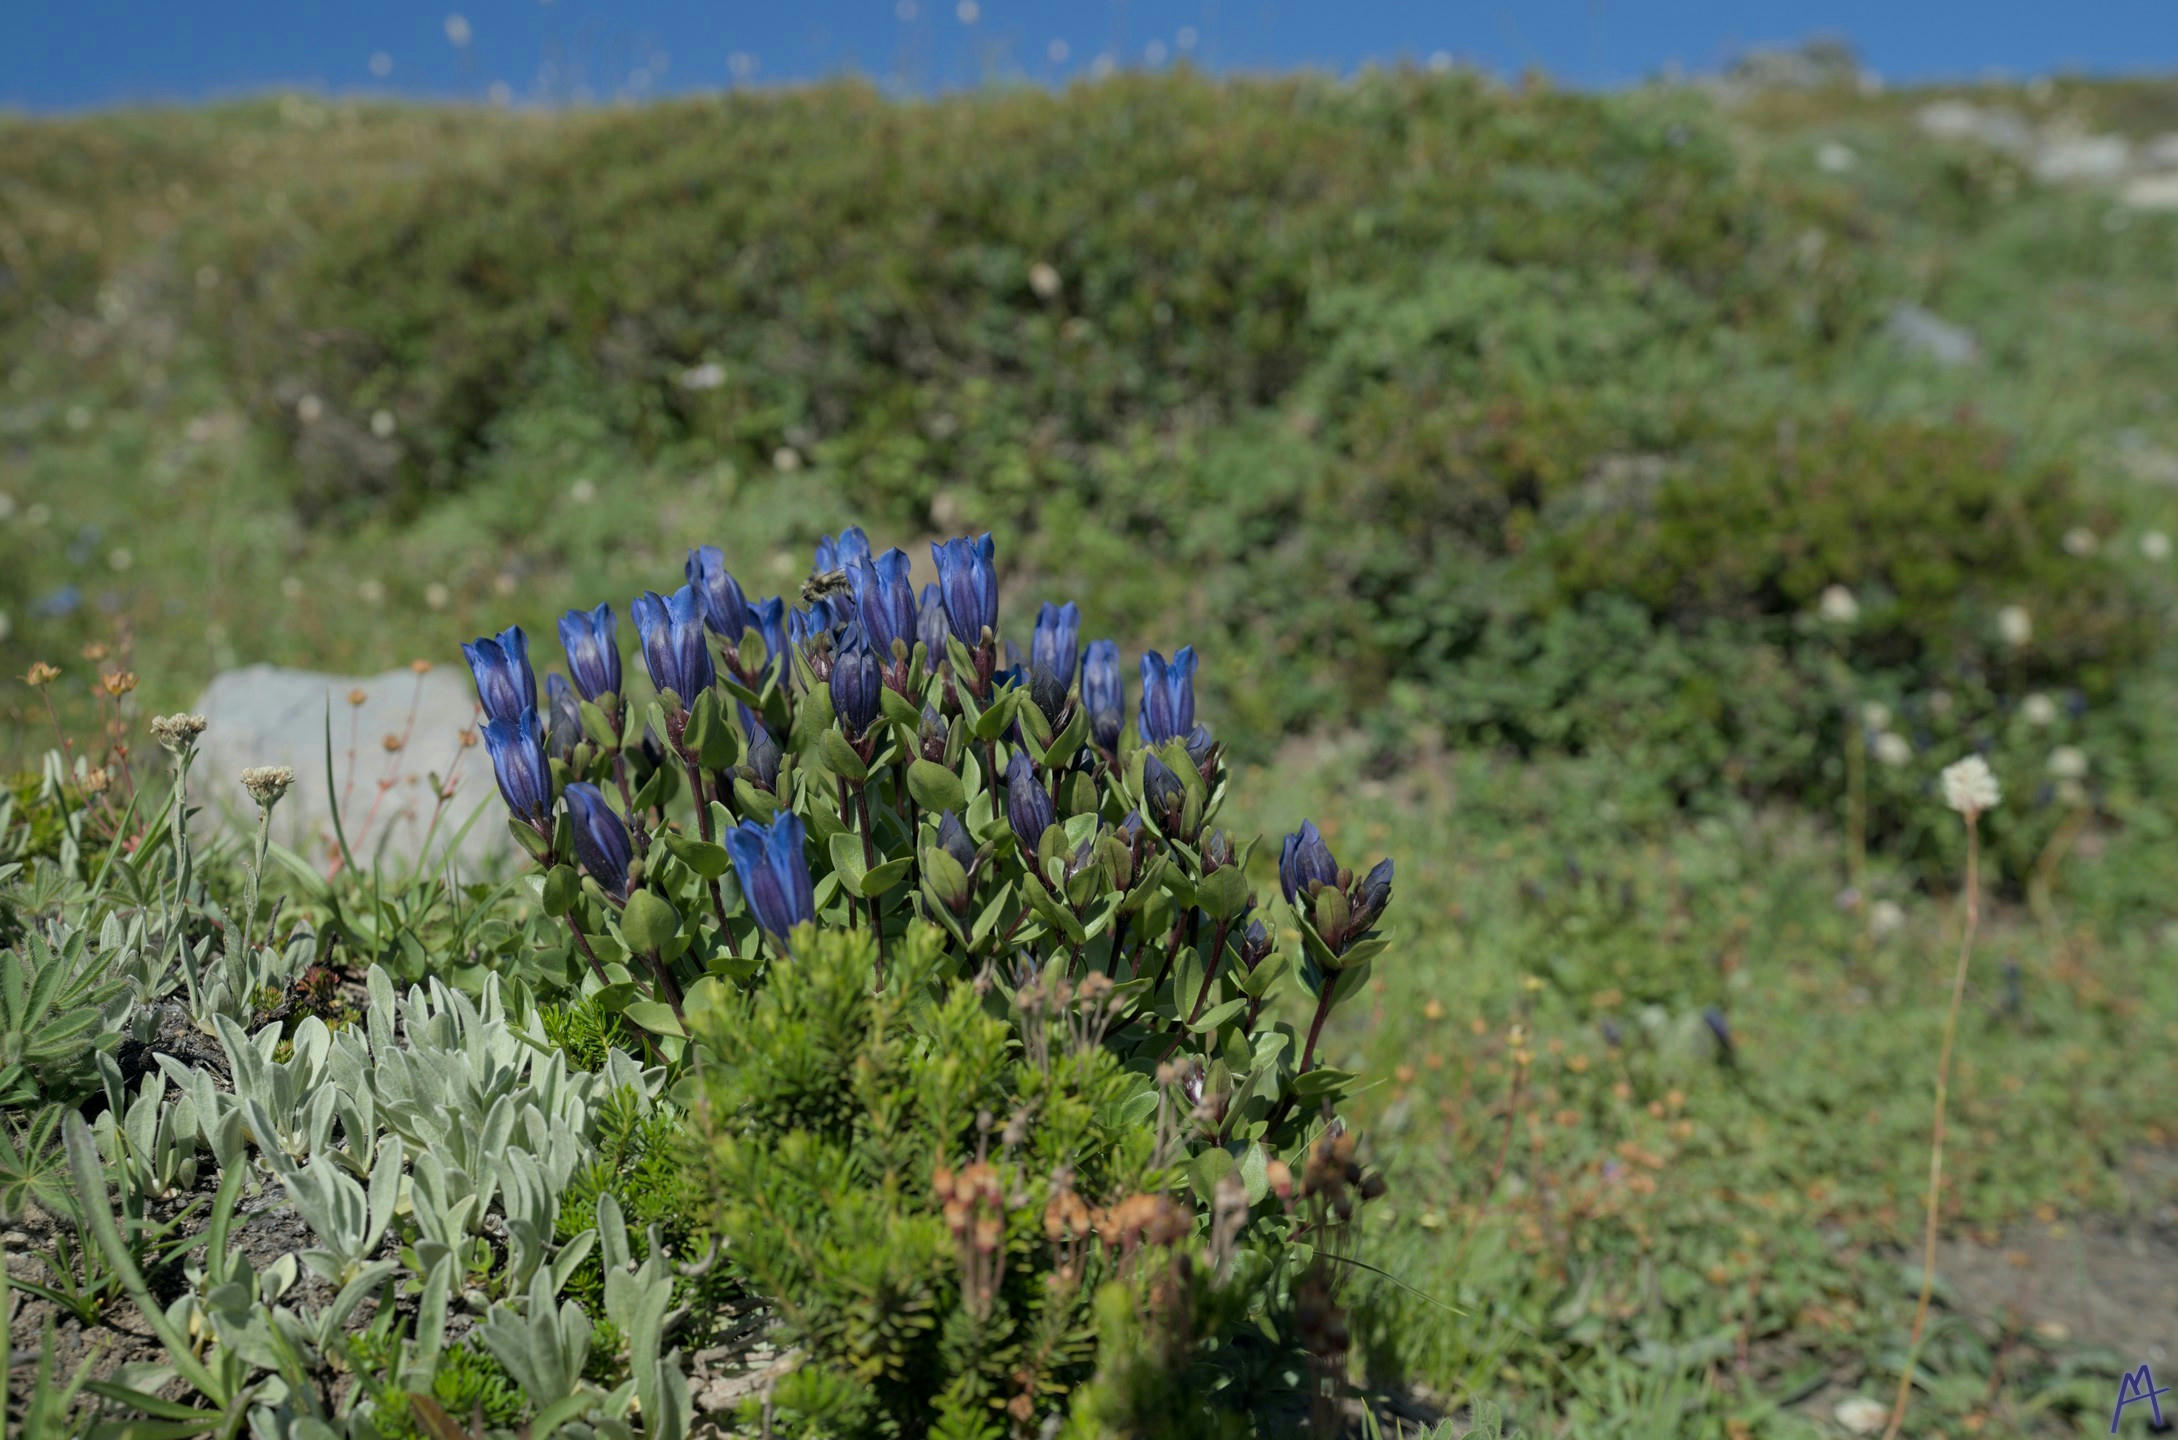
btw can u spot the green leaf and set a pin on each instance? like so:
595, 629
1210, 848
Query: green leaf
1255, 1172
992, 722
899, 709
597, 726
655, 1016
885, 876
1223, 893
840, 757
1216, 1016
1321, 1082
561, 886
705, 857
1206, 1169
847, 859
650, 922
936, 788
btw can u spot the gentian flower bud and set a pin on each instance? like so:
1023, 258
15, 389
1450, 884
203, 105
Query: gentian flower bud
1255, 943
1202, 748
841, 554
1217, 851
1104, 693
1304, 861
1372, 895
1168, 696
1162, 791
1047, 689
519, 764
884, 601
504, 681
1721, 1028
931, 737
725, 607
601, 838
774, 873
1014, 662
1057, 638
761, 765
1028, 807
930, 623
969, 585
563, 717
593, 650
953, 839
674, 650
855, 682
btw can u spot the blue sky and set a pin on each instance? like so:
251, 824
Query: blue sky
86, 53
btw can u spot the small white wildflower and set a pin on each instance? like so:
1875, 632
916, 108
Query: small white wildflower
292, 586
2015, 625
2038, 710
1892, 749
1044, 280
2080, 541
437, 595
1834, 158
177, 731
1875, 717
267, 783
2068, 762
2155, 545
1970, 786
707, 376
786, 460
1886, 917
309, 409
383, 424
1837, 606
582, 492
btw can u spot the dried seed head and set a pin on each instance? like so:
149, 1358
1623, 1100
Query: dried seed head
118, 683
358, 695
41, 674
177, 732
96, 781
421, 667
267, 783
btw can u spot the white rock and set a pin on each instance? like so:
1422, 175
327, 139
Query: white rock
1860, 1415
265, 715
1957, 120
2093, 159
2152, 192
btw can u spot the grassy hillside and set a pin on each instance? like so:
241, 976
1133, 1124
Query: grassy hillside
1495, 448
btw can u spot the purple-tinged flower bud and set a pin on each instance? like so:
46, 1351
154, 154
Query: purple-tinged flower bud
519, 765
856, 682
1028, 807
593, 650
884, 600
1047, 692
504, 681
1305, 861
725, 607
1202, 748
969, 585
774, 873
931, 626
1103, 693
1058, 635
674, 650
1255, 944
931, 736
563, 717
1217, 851
761, 765
601, 838
1372, 895
1163, 792
1168, 696
953, 840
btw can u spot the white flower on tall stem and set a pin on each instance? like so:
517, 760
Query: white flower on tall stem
1892, 748
1837, 606
1970, 786
2015, 625
2038, 710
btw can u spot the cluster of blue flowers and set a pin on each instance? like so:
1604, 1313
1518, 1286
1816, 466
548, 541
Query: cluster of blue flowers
766, 710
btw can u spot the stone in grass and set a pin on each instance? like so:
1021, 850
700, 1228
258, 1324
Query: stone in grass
1861, 1416
265, 715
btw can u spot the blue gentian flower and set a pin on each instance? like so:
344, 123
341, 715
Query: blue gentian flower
884, 600
770, 618
969, 586
563, 717
774, 873
1304, 860
674, 650
841, 554
601, 839
1057, 637
1103, 693
1168, 696
504, 681
592, 642
1028, 807
1200, 743
519, 764
856, 681
725, 608
930, 623
1162, 791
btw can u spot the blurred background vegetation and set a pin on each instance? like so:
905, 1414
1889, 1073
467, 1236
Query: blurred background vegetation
1495, 446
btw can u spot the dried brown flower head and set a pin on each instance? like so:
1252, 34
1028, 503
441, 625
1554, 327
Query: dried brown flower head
267, 783
41, 674
118, 683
